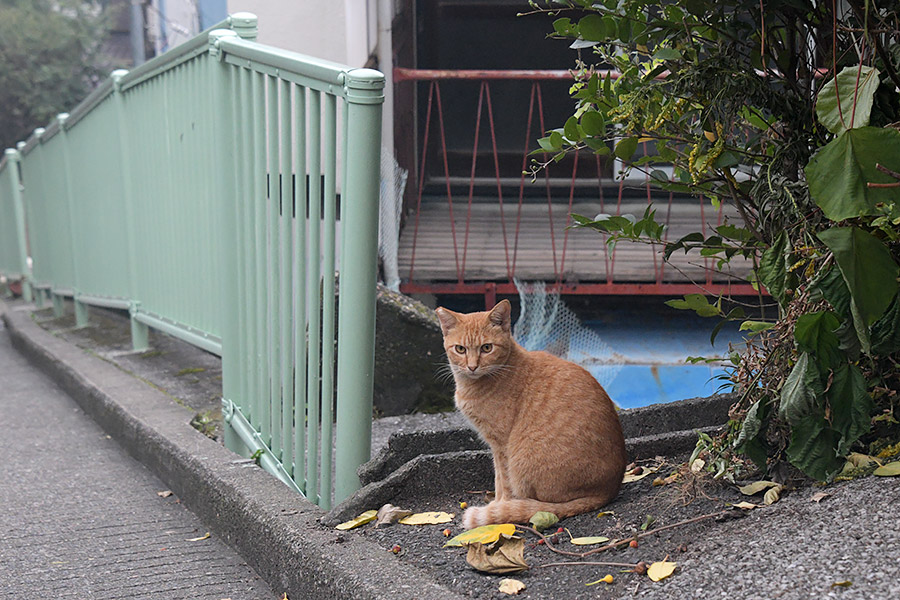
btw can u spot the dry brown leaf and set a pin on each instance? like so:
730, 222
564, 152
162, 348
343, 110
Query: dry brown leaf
631, 477
697, 465
506, 555
199, 539
511, 586
362, 519
427, 518
819, 496
390, 514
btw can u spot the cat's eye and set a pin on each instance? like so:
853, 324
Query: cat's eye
460, 349
486, 348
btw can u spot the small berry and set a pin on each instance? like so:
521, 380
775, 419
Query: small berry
464, 505
446, 533
607, 579
633, 543
640, 568
396, 549
560, 530
540, 542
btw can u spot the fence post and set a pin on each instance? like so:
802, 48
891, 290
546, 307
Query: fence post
244, 24
140, 334
364, 91
12, 163
81, 309
224, 189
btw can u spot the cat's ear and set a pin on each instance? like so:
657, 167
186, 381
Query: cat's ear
447, 318
499, 315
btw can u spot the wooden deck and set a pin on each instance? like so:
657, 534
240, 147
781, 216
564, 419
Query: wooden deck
545, 249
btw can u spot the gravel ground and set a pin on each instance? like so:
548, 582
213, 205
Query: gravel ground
796, 548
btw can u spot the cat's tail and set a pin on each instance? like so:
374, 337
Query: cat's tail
521, 510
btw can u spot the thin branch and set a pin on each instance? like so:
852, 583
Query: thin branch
627, 540
586, 563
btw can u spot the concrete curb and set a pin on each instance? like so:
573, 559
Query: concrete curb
276, 531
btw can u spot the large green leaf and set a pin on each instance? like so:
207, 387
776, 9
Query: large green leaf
856, 87
749, 440
851, 406
868, 269
815, 332
800, 392
886, 330
812, 448
837, 175
773, 267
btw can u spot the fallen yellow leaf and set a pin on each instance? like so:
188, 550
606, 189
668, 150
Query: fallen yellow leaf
842, 584
587, 541
697, 465
362, 519
660, 570
889, 470
483, 535
164, 494
773, 495
746, 505
511, 586
605, 513
427, 518
199, 539
756, 487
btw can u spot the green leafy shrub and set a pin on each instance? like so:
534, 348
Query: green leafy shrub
789, 111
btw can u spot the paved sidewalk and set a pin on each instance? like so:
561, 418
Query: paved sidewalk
82, 519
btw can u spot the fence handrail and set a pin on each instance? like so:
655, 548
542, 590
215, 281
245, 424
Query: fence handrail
167, 172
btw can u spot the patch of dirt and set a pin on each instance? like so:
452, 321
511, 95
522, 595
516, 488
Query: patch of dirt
191, 376
638, 503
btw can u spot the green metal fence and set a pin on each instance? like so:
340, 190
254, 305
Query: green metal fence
204, 191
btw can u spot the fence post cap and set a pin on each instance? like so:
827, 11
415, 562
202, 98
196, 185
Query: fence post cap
245, 24
364, 86
39, 132
21, 145
10, 152
215, 36
62, 117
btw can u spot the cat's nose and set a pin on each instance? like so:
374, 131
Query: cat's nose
473, 367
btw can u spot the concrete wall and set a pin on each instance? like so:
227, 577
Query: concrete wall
339, 30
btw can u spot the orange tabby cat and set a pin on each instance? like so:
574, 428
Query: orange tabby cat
553, 431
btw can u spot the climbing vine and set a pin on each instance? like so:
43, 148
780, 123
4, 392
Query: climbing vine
788, 111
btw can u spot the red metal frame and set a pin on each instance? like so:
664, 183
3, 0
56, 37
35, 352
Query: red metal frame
490, 289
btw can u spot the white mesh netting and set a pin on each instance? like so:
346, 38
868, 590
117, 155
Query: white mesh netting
393, 184
546, 323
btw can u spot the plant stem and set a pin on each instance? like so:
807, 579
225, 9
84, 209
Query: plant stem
618, 543
586, 563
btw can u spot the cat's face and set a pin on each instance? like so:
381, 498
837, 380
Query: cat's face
477, 344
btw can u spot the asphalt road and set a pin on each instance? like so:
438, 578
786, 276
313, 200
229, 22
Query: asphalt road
82, 519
